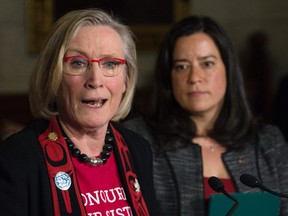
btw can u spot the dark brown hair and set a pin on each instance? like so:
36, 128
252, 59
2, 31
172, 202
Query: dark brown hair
170, 121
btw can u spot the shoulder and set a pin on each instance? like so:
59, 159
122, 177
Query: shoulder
22, 160
270, 129
272, 133
135, 124
139, 126
22, 144
272, 139
131, 137
127, 132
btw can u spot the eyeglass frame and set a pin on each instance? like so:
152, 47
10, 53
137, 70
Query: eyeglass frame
67, 58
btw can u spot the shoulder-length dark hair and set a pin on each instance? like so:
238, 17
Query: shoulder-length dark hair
170, 122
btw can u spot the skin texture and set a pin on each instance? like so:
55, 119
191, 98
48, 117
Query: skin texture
86, 103
199, 85
201, 89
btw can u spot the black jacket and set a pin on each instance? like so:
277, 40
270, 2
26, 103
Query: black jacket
24, 183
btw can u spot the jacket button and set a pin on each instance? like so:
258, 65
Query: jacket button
241, 160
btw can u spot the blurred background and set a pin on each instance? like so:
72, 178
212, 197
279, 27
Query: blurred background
257, 28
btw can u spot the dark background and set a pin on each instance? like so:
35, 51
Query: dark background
131, 12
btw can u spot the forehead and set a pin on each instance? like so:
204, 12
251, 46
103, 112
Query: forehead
196, 44
97, 39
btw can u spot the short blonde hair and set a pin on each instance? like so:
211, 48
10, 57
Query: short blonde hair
48, 72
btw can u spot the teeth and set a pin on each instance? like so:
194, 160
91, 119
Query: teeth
96, 104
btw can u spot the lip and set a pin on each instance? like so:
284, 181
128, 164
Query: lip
94, 102
196, 93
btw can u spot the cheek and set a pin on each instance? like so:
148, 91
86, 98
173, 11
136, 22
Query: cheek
220, 85
117, 87
68, 89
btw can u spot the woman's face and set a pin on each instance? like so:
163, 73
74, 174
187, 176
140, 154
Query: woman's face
198, 75
90, 100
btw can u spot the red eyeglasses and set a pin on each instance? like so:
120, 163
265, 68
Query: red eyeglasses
78, 65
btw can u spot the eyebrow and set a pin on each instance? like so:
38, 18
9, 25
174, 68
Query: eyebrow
180, 60
201, 58
83, 53
207, 57
77, 52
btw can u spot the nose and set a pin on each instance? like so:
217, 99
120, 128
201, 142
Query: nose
194, 76
94, 77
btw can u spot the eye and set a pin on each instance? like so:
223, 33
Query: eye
208, 64
78, 63
109, 64
181, 67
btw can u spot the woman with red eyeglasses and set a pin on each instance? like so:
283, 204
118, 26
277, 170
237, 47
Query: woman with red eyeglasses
75, 159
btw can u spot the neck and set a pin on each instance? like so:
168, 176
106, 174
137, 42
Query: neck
203, 124
94, 160
90, 142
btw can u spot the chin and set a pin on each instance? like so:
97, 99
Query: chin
198, 110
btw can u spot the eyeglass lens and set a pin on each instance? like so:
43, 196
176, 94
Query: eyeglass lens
80, 65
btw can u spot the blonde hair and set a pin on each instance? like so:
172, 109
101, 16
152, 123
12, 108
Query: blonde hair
48, 71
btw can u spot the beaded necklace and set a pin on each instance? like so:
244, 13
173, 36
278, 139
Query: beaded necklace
93, 161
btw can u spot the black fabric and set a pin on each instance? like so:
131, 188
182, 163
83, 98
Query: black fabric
24, 183
141, 155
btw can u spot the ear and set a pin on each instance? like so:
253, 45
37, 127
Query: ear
124, 88
125, 83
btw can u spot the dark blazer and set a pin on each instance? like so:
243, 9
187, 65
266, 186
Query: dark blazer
178, 175
24, 183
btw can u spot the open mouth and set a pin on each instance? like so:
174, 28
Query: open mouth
92, 103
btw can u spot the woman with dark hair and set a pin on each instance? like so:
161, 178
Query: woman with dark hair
201, 125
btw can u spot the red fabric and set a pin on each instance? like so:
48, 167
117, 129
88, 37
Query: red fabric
101, 188
130, 175
228, 184
57, 158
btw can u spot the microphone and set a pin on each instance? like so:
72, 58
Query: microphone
252, 181
217, 185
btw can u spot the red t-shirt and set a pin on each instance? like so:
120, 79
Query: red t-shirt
101, 190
